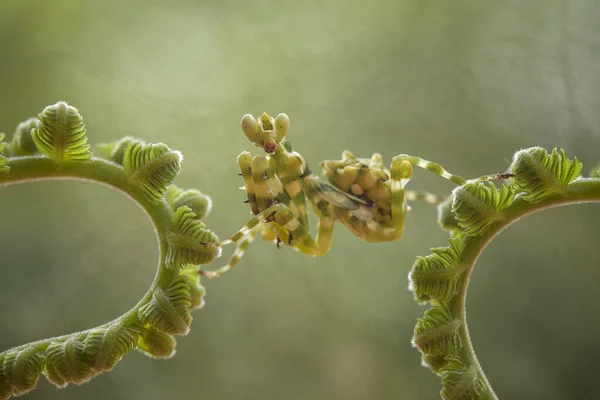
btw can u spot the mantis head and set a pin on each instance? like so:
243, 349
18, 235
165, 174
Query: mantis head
266, 132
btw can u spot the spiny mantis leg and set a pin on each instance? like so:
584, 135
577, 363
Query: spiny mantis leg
245, 161
324, 197
290, 167
319, 246
291, 232
401, 172
279, 218
282, 221
262, 189
261, 217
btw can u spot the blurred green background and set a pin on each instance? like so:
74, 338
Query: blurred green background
464, 83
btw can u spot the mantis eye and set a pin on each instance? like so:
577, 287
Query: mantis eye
282, 124
250, 127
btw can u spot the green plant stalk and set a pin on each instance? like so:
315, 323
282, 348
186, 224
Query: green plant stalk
35, 168
54, 146
586, 190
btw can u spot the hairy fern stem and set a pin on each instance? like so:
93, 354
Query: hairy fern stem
54, 146
474, 215
33, 168
585, 190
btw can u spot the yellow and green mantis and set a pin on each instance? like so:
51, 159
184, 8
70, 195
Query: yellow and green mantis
365, 196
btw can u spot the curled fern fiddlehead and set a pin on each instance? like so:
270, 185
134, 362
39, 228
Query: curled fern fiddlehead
474, 214
115, 151
197, 201
189, 241
436, 334
153, 166
437, 276
539, 174
169, 308
476, 206
3, 160
157, 344
460, 381
61, 134
197, 291
22, 143
53, 146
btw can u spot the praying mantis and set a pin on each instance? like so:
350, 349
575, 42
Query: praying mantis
366, 197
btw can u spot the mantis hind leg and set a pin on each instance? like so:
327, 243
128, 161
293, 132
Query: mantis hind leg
431, 166
401, 172
429, 198
321, 244
440, 171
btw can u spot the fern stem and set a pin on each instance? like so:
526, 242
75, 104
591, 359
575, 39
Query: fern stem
35, 168
54, 146
585, 190
32, 168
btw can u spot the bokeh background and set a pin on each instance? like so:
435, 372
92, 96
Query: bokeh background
465, 83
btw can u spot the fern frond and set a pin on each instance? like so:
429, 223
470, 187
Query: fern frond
190, 242
3, 160
152, 166
54, 146
66, 362
20, 370
436, 333
197, 291
115, 151
437, 276
446, 218
536, 180
540, 175
460, 382
105, 346
476, 206
434, 363
595, 172
200, 203
22, 143
169, 309
156, 344
78, 359
61, 134
5, 386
